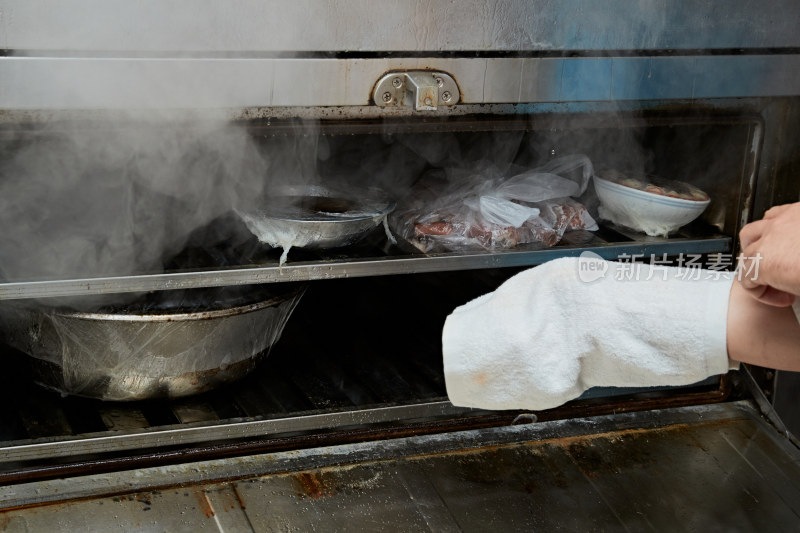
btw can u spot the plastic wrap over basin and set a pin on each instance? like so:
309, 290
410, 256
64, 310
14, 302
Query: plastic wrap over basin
125, 356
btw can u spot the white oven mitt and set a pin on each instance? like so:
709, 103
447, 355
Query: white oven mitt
548, 334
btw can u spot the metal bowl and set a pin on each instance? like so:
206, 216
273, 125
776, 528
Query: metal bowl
122, 356
317, 218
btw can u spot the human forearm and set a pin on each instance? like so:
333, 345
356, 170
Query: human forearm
762, 334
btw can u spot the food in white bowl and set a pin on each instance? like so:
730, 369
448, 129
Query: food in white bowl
649, 204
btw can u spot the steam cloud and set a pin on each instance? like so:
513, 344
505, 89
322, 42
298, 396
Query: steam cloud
86, 201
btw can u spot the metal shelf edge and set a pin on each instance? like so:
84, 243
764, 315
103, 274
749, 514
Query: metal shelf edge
308, 271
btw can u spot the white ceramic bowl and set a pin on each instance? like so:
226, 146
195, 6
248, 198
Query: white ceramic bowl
652, 213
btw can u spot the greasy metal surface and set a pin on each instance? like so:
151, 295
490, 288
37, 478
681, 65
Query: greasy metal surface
342, 118
56, 84
717, 468
357, 267
744, 210
760, 382
228, 431
43, 468
780, 161
247, 466
786, 397
58, 467
242, 27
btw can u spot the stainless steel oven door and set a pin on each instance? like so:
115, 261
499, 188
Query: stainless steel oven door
718, 467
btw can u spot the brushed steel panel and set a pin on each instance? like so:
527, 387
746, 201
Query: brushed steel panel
246, 26
28, 83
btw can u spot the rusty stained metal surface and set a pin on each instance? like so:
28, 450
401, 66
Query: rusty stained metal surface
714, 474
460, 419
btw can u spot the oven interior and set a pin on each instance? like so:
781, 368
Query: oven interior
130, 135
360, 358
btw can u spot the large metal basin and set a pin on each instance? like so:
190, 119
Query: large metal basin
123, 356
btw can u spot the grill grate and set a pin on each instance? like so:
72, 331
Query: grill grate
277, 388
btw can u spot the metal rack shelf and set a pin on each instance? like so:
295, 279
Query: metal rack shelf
373, 260
345, 378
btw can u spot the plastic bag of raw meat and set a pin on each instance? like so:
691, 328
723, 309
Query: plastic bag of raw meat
458, 209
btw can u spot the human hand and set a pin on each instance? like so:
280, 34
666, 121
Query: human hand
770, 265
